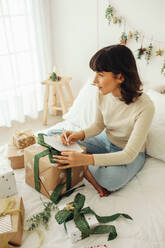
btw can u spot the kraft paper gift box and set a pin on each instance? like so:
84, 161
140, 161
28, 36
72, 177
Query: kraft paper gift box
7, 183
49, 175
22, 139
16, 157
11, 221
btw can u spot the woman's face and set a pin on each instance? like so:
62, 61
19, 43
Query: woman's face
107, 82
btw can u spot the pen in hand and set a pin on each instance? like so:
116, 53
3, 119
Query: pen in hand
66, 138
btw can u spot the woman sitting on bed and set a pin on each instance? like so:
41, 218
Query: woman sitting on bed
115, 142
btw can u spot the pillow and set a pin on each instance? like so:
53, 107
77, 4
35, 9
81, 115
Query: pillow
159, 103
155, 144
156, 87
82, 112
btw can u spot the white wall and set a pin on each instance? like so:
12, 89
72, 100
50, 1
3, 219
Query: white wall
79, 28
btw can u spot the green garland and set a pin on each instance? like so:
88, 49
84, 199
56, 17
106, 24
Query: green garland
148, 51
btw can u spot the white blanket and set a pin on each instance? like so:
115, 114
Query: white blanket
143, 199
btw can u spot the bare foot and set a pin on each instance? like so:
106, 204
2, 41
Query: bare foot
102, 191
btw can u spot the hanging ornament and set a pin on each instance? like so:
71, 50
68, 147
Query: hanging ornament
141, 52
130, 35
115, 20
163, 69
120, 20
109, 13
137, 36
123, 39
159, 52
148, 52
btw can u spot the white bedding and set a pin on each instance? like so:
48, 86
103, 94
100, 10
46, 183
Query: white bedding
143, 199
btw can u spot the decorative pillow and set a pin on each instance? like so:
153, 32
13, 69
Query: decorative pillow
83, 110
155, 144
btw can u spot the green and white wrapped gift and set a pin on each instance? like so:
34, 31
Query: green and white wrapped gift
73, 232
7, 182
80, 222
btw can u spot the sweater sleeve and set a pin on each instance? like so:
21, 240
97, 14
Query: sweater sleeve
134, 144
98, 125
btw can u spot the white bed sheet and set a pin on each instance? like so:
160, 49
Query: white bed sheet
143, 199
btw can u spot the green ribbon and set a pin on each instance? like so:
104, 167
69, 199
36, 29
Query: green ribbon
78, 215
56, 196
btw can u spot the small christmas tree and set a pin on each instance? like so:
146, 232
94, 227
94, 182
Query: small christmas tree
53, 76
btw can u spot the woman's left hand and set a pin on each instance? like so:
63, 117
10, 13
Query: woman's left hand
73, 159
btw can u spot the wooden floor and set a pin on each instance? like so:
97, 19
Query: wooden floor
34, 124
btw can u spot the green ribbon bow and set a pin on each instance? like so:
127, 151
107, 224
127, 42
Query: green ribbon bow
56, 196
77, 213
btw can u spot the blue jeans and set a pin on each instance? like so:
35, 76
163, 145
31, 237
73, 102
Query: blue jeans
110, 177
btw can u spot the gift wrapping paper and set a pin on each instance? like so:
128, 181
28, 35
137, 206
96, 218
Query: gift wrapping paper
74, 233
49, 175
16, 157
22, 139
11, 221
7, 183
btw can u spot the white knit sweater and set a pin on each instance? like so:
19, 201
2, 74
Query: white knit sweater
126, 126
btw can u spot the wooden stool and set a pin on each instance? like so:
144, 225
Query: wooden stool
57, 86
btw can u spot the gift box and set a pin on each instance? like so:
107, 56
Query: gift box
48, 175
80, 221
11, 221
16, 157
22, 139
74, 233
7, 183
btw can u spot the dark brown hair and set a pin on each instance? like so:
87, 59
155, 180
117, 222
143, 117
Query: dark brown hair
119, 59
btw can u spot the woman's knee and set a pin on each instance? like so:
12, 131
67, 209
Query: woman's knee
114, 177
135, 166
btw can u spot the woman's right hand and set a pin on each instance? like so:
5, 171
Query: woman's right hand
72, 137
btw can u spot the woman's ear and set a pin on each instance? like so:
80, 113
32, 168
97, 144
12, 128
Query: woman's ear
120, 78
